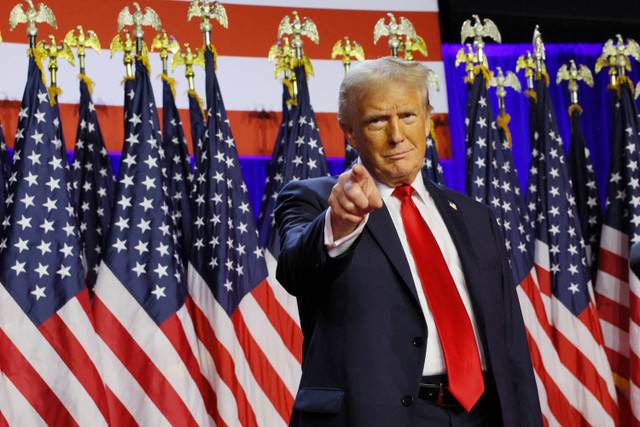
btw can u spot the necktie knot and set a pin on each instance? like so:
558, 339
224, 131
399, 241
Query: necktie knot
403, 192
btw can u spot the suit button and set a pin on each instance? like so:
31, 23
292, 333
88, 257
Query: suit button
407, 400
417, 342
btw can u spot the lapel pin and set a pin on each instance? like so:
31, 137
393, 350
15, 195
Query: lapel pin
453, 205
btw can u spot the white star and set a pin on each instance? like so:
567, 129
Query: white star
64, 271
120, 245
122, 223
161, 270
24, 222
139, 269
67, 250
47, 225
38, 292
147, 204
42, 270
159, 292
19, 267
163, 249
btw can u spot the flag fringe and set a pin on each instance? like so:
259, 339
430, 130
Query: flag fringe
170, 81
87, 81
503, 123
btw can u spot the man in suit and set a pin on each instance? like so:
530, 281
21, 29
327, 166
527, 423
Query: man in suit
406, 298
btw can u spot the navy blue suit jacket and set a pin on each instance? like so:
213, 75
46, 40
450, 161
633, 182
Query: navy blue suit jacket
364, 331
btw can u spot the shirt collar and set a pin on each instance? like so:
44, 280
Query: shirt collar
418, 186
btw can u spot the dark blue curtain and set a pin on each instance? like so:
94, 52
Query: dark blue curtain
595, 102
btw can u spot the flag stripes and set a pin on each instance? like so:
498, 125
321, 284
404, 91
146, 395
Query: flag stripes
125, 328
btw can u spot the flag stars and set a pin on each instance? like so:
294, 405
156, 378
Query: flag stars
159, 292
64, 272
38, 292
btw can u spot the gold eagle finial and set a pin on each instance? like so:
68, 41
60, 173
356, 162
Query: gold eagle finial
188, 59
347, 50
572, 73
139, 19
81, 42
206, 11
394, 31
297, 29
165, 44
477, 30
31, 17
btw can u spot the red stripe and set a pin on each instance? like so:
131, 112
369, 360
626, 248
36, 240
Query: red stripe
120, 415
544, 280
560, 407
286, 327
254, 132
635, 308
141, 367
225, 366
613, 312
29, 382
3, 420
174, 332
263, 371
614, 264
618, 362
252, 29
74, 355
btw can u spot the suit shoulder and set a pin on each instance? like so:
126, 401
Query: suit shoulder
320, 185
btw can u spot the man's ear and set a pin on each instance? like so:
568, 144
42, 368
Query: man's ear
427, 123
350, 136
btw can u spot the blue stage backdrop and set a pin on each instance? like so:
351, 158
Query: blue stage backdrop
595, 102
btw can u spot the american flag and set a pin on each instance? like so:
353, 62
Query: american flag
431, 164
494, 182
5, 170
178, 167
275, 179
563, 275
617, 287
148, 345
48, 358
227, 282
198, 127
92, 182
585, 188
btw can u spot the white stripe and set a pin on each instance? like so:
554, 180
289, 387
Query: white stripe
615, 338
119, 301
382, 5
125, 387
246, 83
268, 339
15, 408
287, 301
46, 361
76, 319
223, 328
614, 241
612, 288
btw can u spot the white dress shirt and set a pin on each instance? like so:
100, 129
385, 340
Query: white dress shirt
434, 363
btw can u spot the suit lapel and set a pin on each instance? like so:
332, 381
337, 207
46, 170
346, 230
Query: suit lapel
382, 229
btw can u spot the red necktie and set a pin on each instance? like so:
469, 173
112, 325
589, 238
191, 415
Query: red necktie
451, 318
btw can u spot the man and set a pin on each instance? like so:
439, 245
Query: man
408, 307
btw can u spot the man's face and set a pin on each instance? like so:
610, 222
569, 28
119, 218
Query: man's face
389, 130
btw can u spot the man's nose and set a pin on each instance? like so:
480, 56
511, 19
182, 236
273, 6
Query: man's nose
396, 135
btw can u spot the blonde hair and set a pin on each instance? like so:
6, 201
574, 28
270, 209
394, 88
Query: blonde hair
371, 74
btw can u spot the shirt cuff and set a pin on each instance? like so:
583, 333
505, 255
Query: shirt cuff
340, 246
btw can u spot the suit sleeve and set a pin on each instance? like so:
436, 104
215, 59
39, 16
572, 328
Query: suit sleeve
304, 265
524, 383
